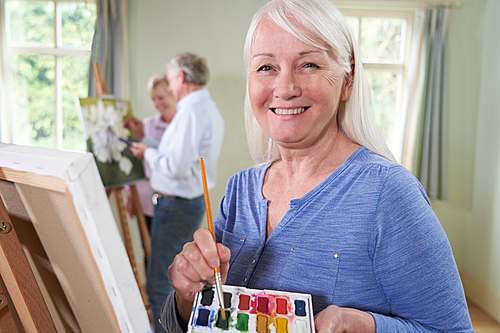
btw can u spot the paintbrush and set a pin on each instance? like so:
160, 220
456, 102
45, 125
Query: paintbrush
218, 283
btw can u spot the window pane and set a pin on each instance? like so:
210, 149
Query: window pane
353, 23
34, 91
385, 87
31, 22
75, 84
380, 39
78, 23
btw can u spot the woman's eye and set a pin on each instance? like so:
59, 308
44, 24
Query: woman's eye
265, 68
311, 65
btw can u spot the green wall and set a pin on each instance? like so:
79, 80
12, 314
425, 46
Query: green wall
482, 229
160, 29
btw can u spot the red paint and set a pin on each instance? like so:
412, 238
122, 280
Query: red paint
244, 303
262, 304
281, 306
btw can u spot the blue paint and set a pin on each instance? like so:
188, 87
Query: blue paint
300, 308
203, 316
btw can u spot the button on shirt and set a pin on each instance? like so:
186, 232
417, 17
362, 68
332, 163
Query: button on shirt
197, 130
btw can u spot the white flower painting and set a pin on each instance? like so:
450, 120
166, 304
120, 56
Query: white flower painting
102, 125
106, 127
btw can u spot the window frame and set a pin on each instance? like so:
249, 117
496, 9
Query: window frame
58, 51
402, 67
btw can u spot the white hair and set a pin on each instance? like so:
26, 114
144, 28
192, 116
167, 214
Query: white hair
194, 68
326, 23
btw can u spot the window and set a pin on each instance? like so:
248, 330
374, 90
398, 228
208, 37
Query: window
49, 45
384, 38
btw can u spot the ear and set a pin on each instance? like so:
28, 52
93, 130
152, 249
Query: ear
182, 76
346, 90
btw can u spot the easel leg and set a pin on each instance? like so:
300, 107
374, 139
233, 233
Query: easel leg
20, 281
127, 240
7, 323
146, 240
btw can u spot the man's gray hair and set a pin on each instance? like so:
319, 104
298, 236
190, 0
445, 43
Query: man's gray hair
194, 68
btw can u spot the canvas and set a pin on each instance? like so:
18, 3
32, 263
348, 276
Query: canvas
60, 212
102, 126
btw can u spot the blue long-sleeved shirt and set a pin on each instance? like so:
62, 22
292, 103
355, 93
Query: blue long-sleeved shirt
365, 238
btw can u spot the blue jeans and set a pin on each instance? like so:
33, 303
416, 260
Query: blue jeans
174, 223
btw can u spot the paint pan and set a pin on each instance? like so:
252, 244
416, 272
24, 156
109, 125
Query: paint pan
252, 311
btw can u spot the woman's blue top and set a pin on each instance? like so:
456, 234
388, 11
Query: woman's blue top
365, 238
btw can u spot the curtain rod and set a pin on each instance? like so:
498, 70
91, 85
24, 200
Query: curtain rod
396, 3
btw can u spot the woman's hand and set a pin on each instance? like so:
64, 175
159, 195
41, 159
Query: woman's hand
135, 126
194, 267
334, 319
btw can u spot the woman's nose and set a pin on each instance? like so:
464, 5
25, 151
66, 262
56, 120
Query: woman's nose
287, 86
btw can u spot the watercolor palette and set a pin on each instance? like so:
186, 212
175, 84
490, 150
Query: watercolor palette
253, 311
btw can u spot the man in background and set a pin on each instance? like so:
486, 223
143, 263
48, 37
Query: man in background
197, 130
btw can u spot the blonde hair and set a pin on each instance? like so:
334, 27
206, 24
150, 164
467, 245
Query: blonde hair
325, 22
157, 80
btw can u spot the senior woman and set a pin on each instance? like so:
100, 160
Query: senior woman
328, 213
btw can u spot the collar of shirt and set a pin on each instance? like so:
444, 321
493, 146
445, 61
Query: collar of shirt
192, 98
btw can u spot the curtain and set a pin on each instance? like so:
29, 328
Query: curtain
6, 92
425, 149
110, 48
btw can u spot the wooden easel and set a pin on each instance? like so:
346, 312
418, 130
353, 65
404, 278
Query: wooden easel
20, 281
102, 90
127, 235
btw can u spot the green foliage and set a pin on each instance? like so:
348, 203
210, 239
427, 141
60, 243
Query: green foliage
78, 23
380, 38
380, 42
34, 99
384, 90
75, 84
31, 22
34, 75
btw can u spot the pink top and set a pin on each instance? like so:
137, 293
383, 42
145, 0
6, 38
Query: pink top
154, 127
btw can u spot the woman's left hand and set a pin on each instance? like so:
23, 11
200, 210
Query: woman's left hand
335, 319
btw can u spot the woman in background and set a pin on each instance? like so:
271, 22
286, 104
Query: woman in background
328, 212
150, 131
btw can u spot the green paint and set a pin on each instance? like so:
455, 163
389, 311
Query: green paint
223, 323
242, 323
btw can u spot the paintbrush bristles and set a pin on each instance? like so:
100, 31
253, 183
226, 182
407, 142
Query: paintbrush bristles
218, 282
218, 285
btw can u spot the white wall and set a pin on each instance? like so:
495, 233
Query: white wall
214, 29
466, 38
482, 230
160, 29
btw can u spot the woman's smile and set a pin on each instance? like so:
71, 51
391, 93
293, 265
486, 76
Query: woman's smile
288, 111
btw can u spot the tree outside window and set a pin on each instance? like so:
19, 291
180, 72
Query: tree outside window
384, 39
50, 45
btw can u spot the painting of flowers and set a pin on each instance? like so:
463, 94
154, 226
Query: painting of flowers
102, 125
